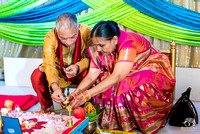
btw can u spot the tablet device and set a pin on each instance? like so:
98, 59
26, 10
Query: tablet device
11, 125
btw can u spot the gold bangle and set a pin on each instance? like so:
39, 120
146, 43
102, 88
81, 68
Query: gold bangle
84, 97
88, 94
74, 94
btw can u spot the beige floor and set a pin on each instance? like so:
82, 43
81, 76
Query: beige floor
10, 90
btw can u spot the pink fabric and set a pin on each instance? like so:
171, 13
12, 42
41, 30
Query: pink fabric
144, 97
23, 101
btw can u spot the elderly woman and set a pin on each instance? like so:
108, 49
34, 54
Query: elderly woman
133, 81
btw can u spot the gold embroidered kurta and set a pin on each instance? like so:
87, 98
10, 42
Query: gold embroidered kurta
51, 62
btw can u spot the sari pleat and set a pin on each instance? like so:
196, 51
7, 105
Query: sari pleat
144, 97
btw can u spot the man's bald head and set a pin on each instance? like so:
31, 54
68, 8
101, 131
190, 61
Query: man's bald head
66, 21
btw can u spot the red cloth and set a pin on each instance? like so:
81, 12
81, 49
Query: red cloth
39, 125
23, 101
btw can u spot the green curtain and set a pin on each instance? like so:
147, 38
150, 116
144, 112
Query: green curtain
116, 10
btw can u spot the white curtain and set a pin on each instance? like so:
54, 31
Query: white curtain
187, 56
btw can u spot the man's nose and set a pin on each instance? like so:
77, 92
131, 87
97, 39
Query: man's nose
70, 41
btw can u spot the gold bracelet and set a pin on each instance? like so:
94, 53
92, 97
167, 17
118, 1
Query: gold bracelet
84, 97
88, 94
74, 94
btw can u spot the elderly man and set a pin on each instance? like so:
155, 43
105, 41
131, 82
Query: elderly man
65, 60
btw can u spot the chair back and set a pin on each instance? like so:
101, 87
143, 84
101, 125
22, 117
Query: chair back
172, 55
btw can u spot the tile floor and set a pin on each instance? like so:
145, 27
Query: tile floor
10, 90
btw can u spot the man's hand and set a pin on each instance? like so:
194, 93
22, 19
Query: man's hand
71, 71
57, 95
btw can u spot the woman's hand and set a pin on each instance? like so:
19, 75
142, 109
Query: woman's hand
69, 98
77, 101
71, 71
66, 101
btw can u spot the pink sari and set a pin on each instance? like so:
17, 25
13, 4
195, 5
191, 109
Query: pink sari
144, 97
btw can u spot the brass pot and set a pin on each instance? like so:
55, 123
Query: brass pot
91, 128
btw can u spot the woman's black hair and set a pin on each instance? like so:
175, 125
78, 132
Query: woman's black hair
105, 29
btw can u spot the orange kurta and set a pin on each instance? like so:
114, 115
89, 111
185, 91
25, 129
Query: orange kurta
51, 62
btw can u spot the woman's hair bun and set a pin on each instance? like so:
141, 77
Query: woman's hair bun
106, 29
115, 25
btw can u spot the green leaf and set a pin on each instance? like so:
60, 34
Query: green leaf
92, 116
96, 106
101, 110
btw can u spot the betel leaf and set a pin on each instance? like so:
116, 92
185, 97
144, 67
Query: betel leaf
98, 110
96, 106
92, 115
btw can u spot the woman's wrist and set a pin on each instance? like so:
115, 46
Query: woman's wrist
86, 95
74, 94
78, 91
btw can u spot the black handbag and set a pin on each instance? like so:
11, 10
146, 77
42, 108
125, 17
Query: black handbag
183, 113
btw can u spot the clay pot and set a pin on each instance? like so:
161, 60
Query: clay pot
92, 126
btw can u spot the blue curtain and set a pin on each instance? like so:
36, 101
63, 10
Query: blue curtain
47, 13
168, 12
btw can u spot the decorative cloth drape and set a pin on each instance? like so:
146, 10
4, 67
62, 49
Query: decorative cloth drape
24, 37
117, 10
168, 12
19, 6
47, 13
133, 19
